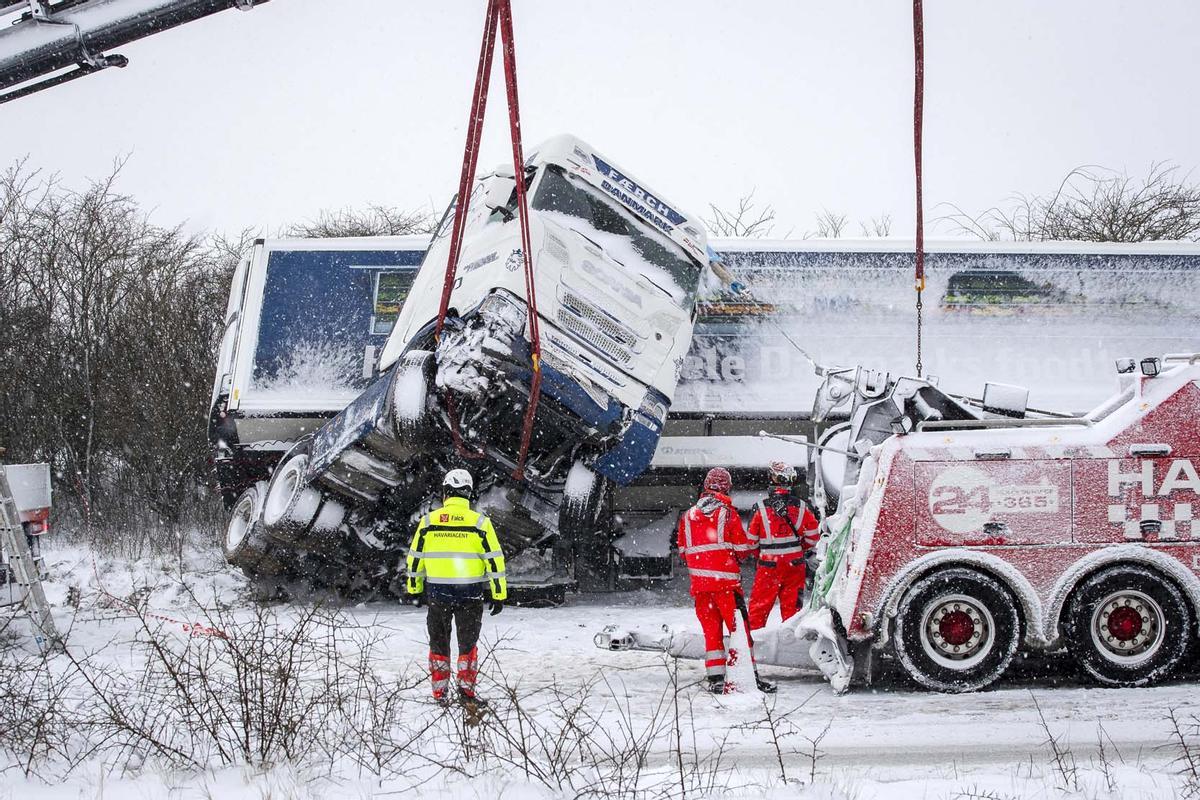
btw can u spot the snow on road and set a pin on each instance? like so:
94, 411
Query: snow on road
887, 741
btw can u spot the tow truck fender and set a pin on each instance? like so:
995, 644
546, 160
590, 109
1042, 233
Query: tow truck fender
1141, 554
1027, 598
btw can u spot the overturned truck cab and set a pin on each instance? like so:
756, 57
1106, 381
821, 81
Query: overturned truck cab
616, 270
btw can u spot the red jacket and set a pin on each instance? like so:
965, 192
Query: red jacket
776, 539
712, 541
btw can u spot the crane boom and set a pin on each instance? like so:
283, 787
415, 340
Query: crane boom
52, 42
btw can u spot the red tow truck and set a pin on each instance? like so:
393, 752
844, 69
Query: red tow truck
964, 531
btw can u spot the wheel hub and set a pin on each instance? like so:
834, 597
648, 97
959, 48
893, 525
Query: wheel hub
1125, 623
957, 628
1127, 626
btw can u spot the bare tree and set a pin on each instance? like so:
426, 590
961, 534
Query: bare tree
375, 220
880, 226
1096, 204
830, 225
108, 333
747, 220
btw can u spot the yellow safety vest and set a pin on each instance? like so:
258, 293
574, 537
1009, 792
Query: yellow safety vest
456, 546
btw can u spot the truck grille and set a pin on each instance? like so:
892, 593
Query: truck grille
594, 327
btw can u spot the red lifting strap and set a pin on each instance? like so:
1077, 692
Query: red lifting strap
918, 120
499, 13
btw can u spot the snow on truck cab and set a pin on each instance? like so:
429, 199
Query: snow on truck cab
617, 269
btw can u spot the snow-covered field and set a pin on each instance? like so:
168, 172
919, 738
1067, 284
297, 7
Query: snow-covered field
580, 721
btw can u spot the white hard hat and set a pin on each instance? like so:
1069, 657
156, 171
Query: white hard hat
458, 479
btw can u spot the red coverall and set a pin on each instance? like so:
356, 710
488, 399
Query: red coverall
712, 541
780, 572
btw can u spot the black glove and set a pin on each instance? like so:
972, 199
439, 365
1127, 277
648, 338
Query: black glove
420, 600
496, 606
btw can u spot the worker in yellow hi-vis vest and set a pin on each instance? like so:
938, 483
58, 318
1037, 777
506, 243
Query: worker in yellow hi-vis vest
453, 560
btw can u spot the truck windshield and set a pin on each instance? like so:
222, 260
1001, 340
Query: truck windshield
577, 205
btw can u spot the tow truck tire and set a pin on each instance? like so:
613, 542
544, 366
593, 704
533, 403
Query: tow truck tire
1128, 626
956, 630
295, 511
245, 542
410, 395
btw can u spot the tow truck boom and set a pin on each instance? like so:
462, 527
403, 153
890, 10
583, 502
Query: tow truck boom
54, 41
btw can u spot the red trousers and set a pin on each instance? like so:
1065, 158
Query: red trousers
783, 582
718, 612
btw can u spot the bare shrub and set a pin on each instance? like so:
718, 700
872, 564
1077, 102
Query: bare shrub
830, 225
107, 329
259, 688
40, 732
1061, 757
1095, 204
880, 226
747, 219
374, 220
1185, 742
595, 742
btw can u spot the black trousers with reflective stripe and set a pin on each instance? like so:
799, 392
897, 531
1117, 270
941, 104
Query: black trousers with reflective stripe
467, 619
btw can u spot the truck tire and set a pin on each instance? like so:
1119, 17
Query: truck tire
411, 386
295, 511
1128, 626
581, 517
956, 630
245, 542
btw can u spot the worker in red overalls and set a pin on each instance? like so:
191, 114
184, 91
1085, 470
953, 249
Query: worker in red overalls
782, 529
712, 542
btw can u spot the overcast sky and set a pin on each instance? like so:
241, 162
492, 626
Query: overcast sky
266, 117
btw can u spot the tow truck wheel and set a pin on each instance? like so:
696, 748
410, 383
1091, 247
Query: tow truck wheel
245, 542
410, 395
295, 511
1127, 626
957, 630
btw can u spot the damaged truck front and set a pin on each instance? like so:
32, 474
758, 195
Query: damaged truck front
617, 270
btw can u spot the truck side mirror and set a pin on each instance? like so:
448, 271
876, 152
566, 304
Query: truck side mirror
497, 189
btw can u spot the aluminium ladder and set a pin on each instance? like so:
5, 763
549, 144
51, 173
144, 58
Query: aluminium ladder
25, 571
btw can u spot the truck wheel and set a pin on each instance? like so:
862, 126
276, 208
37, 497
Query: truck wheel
295, 511
582, 502
581, 523
245, 542
1127, 626
956, 631
410, 395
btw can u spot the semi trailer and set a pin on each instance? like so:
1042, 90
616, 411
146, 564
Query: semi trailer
308, 319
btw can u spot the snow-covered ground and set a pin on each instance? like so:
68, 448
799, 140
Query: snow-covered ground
885, 742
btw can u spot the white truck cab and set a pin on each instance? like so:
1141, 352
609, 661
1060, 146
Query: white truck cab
617, 269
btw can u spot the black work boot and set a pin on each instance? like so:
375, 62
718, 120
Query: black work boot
469, 699
716, 685
764, 686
